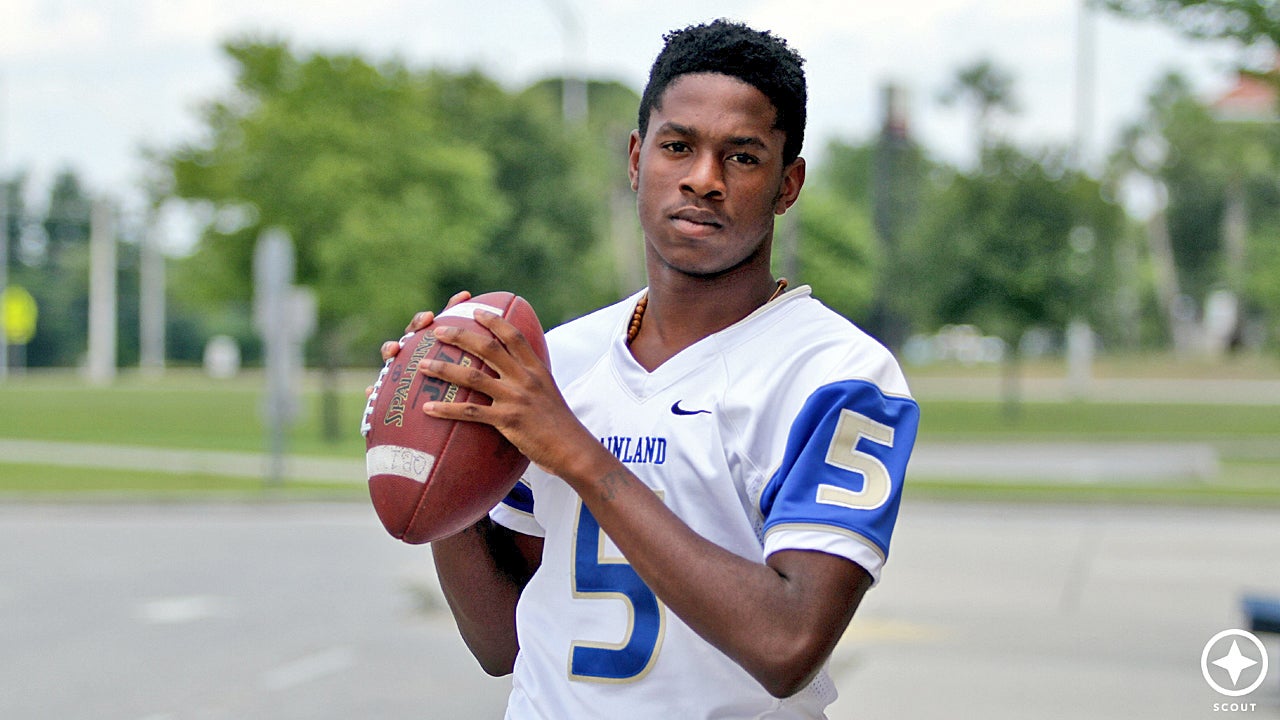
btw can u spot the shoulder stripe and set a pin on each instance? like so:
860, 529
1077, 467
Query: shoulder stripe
520, 498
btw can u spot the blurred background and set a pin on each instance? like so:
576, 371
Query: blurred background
1063, 216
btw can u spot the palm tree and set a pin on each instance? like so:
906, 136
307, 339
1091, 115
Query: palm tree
989, 89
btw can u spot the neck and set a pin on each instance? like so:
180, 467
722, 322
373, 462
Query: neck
680, 310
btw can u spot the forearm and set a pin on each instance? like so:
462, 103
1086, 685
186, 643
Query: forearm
482, 573
774, 624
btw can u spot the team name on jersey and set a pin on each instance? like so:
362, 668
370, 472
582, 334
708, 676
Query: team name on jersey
637, 450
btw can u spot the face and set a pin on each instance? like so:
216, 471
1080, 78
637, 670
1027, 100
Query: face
709, 176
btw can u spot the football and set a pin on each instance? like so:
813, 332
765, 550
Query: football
430, 477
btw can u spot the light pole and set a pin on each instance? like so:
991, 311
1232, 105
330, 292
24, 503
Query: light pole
573, 96
1084, 85
1079, 336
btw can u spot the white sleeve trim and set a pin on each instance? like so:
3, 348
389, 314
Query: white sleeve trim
828, 539
521, 522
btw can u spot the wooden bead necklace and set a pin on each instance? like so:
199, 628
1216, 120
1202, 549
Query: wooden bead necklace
637, 315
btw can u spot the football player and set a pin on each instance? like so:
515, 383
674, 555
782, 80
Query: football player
717, 460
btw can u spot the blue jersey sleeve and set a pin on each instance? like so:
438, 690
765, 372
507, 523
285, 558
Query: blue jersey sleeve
516, 510
840, 482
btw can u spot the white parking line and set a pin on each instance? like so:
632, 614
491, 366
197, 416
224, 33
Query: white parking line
308, 668
180, 609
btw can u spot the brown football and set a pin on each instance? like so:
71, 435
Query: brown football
430, 477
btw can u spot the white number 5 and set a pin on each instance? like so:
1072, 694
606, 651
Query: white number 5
851, 429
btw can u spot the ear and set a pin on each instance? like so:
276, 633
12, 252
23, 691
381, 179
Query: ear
633, 159
792, 181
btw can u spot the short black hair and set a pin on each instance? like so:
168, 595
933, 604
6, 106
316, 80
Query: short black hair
755, 57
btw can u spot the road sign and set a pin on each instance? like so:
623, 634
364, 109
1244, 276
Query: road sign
19, 315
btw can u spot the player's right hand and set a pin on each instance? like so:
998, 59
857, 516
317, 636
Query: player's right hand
419, 321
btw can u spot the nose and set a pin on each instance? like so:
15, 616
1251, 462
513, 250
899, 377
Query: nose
705, 178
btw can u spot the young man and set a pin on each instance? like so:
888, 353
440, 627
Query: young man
717, 464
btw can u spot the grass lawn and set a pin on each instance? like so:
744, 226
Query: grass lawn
179, 410
184, 409
957, 420
19, 481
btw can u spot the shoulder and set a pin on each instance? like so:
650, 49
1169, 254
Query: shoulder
576, 345
802, 342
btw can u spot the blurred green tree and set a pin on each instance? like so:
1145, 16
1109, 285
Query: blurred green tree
599, 150
398, 187
52, 262
988, 89
1025, 242
14, 214
1213, 226
837, 253
855, 214
350, 160
66, 222
1251, 22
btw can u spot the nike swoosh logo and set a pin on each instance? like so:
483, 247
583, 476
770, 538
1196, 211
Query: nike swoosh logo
676, 409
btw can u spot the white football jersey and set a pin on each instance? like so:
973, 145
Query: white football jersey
790, 429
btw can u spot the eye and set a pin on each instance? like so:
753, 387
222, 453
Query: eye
745, 158
675, 146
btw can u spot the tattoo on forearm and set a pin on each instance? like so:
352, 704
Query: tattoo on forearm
612, 483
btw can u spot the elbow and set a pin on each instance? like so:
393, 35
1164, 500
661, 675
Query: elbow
496, 668
496, 661
788, 671
785, 685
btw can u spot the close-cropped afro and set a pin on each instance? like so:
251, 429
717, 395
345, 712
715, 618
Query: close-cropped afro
755, 57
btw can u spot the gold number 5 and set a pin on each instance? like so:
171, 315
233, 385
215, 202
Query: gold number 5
851, 429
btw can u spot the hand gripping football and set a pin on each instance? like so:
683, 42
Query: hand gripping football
430, 477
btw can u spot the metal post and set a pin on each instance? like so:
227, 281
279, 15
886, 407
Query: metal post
1084, 85
1080, 350
151, 301
573, 95
101, 363
273, 268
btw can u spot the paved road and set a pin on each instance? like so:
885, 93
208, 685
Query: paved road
195, 612
183, 612
1013, 611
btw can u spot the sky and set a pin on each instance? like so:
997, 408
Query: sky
90, 84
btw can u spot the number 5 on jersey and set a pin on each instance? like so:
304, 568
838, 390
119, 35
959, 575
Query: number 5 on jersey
851, 429
596, 575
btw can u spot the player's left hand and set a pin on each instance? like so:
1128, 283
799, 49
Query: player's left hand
527, 407
420, 320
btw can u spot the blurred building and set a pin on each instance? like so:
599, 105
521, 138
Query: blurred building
1255, 97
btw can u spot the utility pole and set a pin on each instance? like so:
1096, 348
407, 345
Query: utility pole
573, 96
101, 363
151, 300
284, 315
1079, 335
273, 268
894, 196
1084, 85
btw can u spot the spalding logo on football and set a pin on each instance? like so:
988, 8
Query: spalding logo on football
430, 477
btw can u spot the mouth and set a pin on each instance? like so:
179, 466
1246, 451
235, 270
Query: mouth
694, 221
